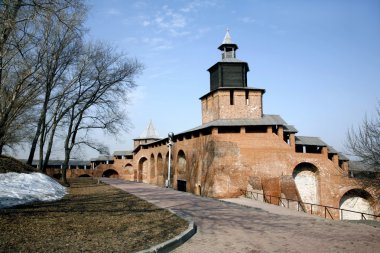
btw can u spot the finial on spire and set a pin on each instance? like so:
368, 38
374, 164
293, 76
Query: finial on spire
227, 38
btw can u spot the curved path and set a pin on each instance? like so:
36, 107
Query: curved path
228, 227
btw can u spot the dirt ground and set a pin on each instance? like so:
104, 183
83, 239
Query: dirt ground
91, 218
10, 164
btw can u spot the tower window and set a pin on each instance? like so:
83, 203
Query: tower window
247, 97
231, 97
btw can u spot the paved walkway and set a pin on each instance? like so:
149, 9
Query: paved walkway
228, 227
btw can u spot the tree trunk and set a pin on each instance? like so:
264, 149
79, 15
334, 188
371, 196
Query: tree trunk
49, 147
41, 156
40, 127
42, 144
68, 148
64, 168
34, 144
3, 125
11, 11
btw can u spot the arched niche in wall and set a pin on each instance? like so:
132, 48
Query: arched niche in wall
152, 165
181, 163
358, 201
129, 168
160, 170
143, 166
111, 173
306, 179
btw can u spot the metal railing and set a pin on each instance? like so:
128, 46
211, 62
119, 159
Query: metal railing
328, 212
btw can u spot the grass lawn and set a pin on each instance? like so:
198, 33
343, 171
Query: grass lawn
91, 218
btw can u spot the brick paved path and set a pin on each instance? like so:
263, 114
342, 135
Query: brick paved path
227, 227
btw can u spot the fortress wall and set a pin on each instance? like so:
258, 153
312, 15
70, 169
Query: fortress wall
266, 155
220, 165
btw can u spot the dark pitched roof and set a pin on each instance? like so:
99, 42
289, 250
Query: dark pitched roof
309, 141
360, 166
332, 150
342, 157
60, 162
122, 153
266, 120
102, 158
290, 129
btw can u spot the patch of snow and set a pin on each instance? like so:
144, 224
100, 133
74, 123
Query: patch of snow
21, 188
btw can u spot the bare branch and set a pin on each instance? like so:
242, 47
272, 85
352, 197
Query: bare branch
364, 141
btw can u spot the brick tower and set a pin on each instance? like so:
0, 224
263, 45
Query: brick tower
229, 96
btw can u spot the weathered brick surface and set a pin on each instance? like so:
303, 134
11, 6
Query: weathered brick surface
221, 165
217, 105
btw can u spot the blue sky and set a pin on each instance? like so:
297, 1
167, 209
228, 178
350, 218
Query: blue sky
319, 61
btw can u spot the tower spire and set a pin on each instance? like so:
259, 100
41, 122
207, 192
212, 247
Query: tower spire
150, 132
228, 48
227, 38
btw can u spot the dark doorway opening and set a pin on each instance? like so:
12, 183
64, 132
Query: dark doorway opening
110, 173
181, 185
57, 176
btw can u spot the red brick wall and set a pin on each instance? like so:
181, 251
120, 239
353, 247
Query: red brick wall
217, 105
220, 165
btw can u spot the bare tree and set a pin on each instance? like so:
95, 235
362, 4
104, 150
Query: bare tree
51, 81
20, 62
18, 90
102, 80
364, 141
60, 44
